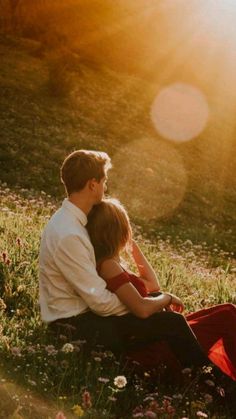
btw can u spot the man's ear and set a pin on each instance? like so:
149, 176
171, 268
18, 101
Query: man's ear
91, 184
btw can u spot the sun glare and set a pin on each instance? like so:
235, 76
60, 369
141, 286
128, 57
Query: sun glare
219, 16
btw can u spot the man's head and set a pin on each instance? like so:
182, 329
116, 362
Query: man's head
85, 168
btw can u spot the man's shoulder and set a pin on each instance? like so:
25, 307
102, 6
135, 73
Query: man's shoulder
63, 225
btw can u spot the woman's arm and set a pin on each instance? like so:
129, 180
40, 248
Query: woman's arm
146, 271
127, 293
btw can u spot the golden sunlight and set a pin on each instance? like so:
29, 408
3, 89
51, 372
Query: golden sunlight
180, 112
153, 178
220, 16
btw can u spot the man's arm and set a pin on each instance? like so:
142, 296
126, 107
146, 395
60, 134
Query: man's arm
73, 261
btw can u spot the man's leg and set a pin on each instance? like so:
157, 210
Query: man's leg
96, 330
171, 327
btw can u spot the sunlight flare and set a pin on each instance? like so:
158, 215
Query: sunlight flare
179, 112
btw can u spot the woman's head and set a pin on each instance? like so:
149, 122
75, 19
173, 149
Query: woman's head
109, 228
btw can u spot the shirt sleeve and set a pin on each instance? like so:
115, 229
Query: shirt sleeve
73, 259
114, 283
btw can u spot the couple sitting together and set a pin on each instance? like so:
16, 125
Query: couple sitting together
86, 290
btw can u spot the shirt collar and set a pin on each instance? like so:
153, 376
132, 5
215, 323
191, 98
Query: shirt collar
79, 214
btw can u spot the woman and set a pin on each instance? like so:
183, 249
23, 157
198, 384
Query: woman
110, 232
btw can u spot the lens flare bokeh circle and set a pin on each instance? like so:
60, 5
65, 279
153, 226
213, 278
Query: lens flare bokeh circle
180, 112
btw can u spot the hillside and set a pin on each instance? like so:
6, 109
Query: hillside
55, 102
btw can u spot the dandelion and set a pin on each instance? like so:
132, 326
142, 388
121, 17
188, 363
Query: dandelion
120, 381
78, 411
86, 398
68, 347
201, 414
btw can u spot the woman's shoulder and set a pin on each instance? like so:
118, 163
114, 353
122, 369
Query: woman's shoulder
109, 268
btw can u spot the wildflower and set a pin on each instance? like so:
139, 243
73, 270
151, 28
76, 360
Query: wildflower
87, 403
103, 380
16, 351
4, 256
120, 381
208, 398
201, 414
32, 382
78, 411
68, 347
207, 369
221, 391
150, 414
112, 398
50, 349
97, 359
210, 383
170, 409
60, 415
19, 242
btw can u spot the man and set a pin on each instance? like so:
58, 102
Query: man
70, 289
72, 295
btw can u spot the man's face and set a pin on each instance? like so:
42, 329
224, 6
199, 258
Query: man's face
100, 189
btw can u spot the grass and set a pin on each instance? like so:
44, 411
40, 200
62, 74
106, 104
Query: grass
61, 376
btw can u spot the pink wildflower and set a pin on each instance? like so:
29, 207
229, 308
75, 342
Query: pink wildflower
86, 400
60, 415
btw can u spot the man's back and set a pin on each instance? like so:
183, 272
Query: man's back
69, 284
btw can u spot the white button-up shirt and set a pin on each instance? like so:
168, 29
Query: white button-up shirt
68, 281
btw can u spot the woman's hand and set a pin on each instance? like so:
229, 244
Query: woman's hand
175, 304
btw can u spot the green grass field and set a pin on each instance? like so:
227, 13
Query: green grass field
34, 364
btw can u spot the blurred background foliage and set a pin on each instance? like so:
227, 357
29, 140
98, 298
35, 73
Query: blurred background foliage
77, 74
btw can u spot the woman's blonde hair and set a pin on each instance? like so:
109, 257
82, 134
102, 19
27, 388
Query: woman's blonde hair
109, 228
